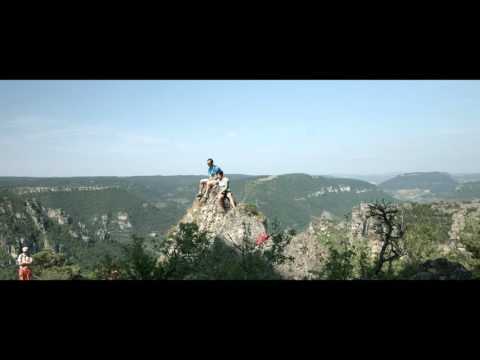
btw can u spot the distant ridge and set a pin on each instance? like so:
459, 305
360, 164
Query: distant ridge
436, 181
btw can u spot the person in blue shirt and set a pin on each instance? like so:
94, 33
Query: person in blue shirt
208, 183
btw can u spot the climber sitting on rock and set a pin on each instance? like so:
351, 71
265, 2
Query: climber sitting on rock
224, 190
207, 184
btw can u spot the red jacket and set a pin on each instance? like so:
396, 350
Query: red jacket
262, 238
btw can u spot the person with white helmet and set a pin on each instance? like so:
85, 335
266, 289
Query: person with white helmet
23, 260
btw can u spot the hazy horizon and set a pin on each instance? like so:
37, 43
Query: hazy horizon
248, 174
150, 128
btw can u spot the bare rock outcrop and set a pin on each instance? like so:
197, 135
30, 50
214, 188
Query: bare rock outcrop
306, 249
307, 255
233, 225
363, 227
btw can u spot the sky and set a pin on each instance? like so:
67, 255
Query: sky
157, 127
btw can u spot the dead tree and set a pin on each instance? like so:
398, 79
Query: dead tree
391, 227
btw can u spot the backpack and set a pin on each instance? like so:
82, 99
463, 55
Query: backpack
262, 238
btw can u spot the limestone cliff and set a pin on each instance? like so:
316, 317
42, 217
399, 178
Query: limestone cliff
306, 249
363, 227
245, 223
232, 225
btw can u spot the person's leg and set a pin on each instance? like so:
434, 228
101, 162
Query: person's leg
221, 201
210, 184
206, 188
21, 273
232, 200
28, 275
201, 186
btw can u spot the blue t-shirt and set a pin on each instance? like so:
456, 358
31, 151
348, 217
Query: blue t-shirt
213, 170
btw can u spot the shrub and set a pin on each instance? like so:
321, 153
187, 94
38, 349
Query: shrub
191, 254
49, 265
251, 209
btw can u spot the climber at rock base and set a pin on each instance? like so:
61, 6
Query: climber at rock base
208, 183
262, 238
23, 260
224, 190
114, 275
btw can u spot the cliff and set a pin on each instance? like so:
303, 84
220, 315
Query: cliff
233, 225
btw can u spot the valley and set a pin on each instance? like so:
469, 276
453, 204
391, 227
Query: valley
86, 219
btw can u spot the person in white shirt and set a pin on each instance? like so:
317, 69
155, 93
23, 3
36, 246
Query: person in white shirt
224, 190
23, 260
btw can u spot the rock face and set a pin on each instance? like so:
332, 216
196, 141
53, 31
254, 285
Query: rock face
232, 225
336, 189
28, 216
307, 250
442, 269
22, 190
459, 212
58, 215
363, 227
26, 222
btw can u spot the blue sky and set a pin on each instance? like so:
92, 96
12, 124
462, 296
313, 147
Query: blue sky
124, 128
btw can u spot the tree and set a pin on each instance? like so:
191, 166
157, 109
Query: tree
391, 228
470, 236
138, 263
8, 268
280, 239
191, 254
184, 254
428, 228
258, 262
346, 259
339, 265
48, 265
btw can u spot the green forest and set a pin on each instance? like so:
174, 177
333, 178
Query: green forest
124, 233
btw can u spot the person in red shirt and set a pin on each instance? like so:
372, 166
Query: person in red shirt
24, 272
